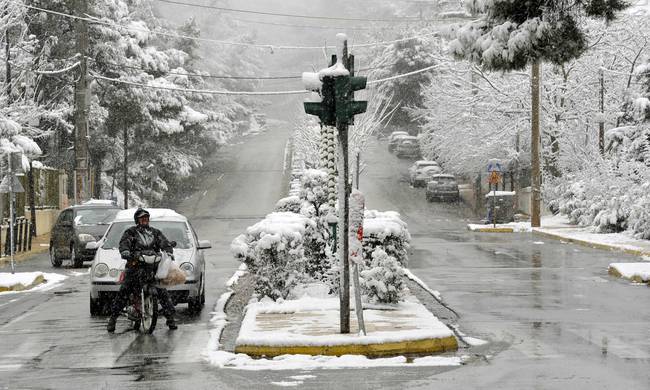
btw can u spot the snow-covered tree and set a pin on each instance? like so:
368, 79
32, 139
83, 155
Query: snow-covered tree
383, 279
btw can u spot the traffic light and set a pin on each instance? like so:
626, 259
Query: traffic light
326, 108
346, 106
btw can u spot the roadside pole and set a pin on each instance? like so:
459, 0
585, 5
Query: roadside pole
358, 204
12, 213
535, 220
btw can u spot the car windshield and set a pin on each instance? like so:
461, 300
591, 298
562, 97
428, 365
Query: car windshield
174, 231
95, 216
444, 180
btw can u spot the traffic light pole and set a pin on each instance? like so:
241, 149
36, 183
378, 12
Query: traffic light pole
344, 216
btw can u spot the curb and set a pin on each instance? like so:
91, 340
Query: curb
589, 244
493, 230
21, 287
636, 278
413, 347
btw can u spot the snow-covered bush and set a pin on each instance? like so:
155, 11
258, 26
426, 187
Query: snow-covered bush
387, 231
273, 251
383, 280
313, 183
291, 204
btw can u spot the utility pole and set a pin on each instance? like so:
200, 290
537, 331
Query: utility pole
534, 147
82, 183
601, 124
125, 137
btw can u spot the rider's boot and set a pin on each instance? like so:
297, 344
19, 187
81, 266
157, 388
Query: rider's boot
171, 323
111, 324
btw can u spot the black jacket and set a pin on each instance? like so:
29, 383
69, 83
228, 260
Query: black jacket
142, 238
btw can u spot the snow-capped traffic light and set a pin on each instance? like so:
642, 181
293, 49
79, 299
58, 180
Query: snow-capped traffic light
346, 106
325, 109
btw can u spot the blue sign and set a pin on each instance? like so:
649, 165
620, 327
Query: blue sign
494, 165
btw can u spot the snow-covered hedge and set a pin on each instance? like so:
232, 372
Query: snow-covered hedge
383, 279
385, 229
273, 250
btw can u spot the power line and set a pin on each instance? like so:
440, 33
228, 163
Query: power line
206, 75
235, 10
251, 93
270, 47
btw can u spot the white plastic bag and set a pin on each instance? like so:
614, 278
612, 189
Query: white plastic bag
175, 276
163, 266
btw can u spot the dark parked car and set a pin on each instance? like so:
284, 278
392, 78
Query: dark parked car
407, 147
77, 226
394, 138
442, 187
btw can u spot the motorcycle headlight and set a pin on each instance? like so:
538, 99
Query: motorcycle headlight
188, 268
86, 238
101, 270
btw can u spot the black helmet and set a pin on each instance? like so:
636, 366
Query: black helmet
139, 213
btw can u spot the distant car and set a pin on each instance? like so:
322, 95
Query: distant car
75, 227
419, 165
188, 253
407, 147
394, 138
423, 175
442, 187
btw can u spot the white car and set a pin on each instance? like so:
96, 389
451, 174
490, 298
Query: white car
394, 138
421, 164
188, 253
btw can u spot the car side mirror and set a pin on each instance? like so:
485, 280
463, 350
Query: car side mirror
204, 244
173, 244
92, 245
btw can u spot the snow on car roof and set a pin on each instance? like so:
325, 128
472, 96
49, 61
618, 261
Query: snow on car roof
443, 176
99, 202
399, 132
155, 215
426, 162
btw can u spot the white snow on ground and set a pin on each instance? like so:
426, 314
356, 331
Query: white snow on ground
499, 193
632, 270
235, 277
287, 384
518, 227
621, 241
474, 341
8, 279
306, 362
422, 324
302, 377
538, 242
434, 293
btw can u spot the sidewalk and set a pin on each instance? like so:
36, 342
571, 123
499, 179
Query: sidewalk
310, 326
40, 244
558, 227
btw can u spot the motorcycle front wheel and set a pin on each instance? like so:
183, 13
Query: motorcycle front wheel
149, 312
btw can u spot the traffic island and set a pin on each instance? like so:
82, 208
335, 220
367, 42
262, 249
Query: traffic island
636, 272
20, 281
310, 326
513, 227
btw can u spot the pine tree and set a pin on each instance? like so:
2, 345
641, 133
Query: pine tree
512, 34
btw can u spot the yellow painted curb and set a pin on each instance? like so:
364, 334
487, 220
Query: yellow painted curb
21, 287
595, 245
413, 347
635, 278
494, 230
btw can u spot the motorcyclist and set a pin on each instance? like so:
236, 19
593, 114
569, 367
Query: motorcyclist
135, 240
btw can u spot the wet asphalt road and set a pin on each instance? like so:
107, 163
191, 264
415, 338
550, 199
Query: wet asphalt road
552, 315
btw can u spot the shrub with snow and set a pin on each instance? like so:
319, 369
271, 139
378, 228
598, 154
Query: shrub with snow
291, 204
273, 251
383, 280
387, 231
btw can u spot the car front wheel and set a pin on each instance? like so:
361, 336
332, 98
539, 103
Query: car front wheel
56, 262
76, 261
96, 306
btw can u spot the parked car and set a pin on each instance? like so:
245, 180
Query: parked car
75, 227
423, 175
188, 253
408, 147
395, 136
419, 165
442, 187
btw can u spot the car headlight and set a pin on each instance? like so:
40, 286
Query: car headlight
101, 270
114, 273
86, 238
188, 268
